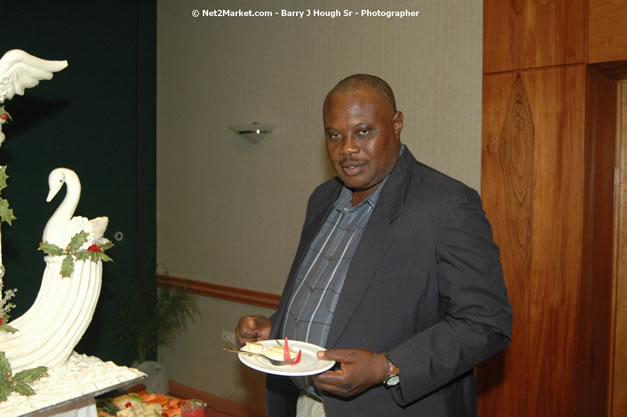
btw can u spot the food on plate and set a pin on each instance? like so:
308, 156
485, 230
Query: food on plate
278, 352
254, 347
274, 352
141, 404
127, 400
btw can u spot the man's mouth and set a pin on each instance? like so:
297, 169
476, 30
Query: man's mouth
352, 168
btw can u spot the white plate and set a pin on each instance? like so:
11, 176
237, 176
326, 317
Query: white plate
309, 363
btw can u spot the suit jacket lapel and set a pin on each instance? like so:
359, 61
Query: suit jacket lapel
376, 240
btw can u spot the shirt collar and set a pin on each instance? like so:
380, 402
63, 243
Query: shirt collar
344, 200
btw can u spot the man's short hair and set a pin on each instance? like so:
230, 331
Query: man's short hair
357, 81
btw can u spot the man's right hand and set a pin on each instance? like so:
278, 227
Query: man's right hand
252, 328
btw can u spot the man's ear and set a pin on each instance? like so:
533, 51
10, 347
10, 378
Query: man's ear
397, 122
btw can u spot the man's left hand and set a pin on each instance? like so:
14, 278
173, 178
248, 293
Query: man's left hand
359, 370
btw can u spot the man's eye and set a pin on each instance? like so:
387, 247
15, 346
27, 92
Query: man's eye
334, 136
364, 131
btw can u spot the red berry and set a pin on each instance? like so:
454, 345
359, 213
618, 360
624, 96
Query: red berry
4, 116
94, 248
128, 404
1, 320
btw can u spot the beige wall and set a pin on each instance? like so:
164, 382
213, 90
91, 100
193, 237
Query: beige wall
229, 211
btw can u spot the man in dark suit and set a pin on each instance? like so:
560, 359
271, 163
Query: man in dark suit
396, 274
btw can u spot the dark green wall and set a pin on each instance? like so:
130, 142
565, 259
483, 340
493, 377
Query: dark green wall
96, 117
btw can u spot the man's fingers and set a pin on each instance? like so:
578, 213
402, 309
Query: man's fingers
329, 377
329, 380
246, 330
252, 328
335, 382
253, 323
337, 355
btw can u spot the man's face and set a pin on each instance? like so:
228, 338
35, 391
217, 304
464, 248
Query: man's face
362, 138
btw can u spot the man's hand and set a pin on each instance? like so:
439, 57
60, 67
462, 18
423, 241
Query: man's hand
252, 328
360, 370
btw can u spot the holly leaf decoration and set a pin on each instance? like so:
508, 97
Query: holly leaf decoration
67, 266
6, 213
19, 383
51, 249
22, 388
5, 367
28, 376
73, 252
106, 245
3, 177
103, 256
77, 240
5, 390
7, 328
5, 377
94, 256
83, 256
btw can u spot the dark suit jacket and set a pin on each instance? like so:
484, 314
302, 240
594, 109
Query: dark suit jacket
425, 285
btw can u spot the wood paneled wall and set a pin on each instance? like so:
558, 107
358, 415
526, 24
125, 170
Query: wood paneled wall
548, 187
607, 38
521, 34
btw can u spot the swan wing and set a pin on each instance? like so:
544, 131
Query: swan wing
99, 225
20, 70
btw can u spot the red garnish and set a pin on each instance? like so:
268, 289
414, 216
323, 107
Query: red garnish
94, 248
128, 405
286, 351
164, 414
297, 357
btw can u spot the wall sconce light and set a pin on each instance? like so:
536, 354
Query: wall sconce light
254, 132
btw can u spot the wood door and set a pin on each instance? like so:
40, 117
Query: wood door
533, 192
618, 393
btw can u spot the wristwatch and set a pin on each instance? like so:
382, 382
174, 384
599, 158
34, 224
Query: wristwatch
393, 378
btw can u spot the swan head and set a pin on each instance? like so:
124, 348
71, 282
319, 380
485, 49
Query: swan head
56, 179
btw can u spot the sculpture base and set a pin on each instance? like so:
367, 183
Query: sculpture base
71, 385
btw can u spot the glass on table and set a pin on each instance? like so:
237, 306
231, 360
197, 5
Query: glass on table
193, 408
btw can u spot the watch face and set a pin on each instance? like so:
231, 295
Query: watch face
393, 380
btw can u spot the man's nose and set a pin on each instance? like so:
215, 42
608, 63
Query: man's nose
350, 146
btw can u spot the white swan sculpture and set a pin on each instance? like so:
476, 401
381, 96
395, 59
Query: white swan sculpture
53, 326
63, 224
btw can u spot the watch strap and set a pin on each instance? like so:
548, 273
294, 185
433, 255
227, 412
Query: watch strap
392, 377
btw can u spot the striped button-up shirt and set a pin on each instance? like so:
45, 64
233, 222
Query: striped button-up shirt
320, 278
